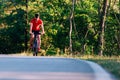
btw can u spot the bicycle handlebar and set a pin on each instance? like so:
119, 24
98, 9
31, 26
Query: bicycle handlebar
36, 33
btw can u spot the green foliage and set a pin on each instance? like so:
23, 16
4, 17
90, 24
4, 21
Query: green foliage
77, 46
55, 15
10, 41
12, 36
112, 31
51, 51
82, 21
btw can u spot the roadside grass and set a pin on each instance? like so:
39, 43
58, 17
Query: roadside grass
110, 64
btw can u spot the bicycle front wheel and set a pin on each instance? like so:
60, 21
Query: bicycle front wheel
35, 51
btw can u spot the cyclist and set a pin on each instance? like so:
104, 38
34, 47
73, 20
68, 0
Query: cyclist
36, 24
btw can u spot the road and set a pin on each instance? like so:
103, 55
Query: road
50, 68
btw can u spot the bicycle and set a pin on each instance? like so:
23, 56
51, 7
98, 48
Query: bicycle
35, 44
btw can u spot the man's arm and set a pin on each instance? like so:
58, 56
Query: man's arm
31, 25
43, 32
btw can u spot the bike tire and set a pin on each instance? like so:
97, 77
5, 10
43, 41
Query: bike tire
35, 50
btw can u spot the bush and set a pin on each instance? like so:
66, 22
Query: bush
51, 52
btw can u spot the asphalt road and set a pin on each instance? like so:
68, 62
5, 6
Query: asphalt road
50, 68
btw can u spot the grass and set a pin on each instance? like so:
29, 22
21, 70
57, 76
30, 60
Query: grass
111, 64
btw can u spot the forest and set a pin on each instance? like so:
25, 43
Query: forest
77, 27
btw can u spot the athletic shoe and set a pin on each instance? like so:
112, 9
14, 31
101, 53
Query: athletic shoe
39, 50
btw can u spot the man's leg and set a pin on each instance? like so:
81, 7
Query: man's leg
39, 42
31, 40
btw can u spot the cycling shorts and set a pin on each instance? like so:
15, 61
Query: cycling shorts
35, 32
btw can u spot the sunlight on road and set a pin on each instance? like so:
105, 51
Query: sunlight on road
45, 76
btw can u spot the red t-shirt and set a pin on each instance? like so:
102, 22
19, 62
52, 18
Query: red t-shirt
36, 24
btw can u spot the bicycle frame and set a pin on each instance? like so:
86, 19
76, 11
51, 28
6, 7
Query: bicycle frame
35, 45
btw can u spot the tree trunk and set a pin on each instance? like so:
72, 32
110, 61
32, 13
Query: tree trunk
102, 26
84, 44
71, 25
26, 46
119, 28
70, 33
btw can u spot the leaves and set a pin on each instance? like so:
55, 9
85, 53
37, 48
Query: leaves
55, 15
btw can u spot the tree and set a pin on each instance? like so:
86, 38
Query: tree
102, 26
26, 46
71, 24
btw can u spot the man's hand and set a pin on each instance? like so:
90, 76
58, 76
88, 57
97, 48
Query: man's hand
30, 32
43, 33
